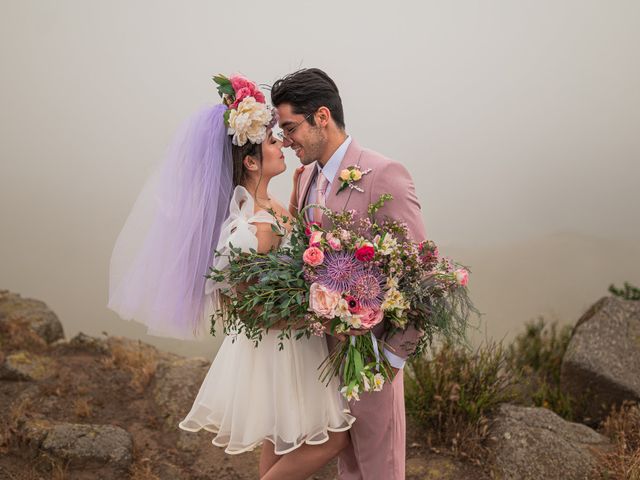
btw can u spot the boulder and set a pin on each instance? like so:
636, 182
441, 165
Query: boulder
33, 313
601, 367
176, 385
26, 366
89, 344
106, 448
530, 443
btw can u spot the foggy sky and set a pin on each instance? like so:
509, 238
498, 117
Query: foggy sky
520, 122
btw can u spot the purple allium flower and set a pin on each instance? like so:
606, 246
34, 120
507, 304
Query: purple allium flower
339, 270
368, 288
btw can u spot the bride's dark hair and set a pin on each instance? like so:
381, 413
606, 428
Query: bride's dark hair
238, 154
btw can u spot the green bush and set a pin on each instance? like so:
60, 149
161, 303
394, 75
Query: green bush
629, 292
535, 358
450, 396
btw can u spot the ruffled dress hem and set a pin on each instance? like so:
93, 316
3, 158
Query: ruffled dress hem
236, 451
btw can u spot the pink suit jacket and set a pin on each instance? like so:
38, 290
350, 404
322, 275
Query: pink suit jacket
377, 447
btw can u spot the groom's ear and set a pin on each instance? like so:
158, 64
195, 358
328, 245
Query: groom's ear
323, 116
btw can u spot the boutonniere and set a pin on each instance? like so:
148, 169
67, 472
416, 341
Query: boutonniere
349, 176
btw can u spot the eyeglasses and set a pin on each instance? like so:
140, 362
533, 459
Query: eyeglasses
287, 136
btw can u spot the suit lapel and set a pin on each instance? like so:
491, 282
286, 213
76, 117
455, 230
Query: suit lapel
338, 201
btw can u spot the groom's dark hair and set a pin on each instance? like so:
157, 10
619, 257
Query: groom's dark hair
307, 90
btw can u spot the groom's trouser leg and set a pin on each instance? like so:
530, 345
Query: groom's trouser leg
377, 449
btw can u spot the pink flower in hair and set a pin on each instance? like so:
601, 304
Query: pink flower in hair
245, 88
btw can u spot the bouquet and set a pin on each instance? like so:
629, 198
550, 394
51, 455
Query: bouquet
349, 279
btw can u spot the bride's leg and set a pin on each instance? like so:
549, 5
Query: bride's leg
268, 458
307, 459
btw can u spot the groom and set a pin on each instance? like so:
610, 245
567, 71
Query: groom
311, 117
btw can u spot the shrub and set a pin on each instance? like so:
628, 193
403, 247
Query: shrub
451, 395
628, 292
535, 358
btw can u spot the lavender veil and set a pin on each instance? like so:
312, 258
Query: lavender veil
161, 257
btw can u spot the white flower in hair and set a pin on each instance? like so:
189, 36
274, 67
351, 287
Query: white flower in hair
249, 121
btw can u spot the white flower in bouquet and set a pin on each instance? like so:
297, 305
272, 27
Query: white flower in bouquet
365, 382
249, 121
354, 321
342, 310
378, 382
392, 283
394, 300
351, 393
388, 245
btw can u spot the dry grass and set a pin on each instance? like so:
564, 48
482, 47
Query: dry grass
17, 335
140, 361
82, 407
141, 470
19, 410
41, 467
622, 426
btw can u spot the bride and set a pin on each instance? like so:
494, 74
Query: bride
212, 191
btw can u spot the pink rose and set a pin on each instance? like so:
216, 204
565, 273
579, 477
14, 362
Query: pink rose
323, 301
365, 253
370, 317
245, 88
334, 242
257, 94
239, 82
462, 276
309, 228
313, 256
241, 94
315, 238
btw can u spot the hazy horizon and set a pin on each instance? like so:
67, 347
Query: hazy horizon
518, 121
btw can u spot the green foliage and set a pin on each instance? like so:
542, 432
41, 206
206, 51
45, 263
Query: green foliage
374, 207
540, 349
224, 85
628, 292
451, 395
535, 358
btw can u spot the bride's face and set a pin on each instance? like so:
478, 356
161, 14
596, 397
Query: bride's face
272, 156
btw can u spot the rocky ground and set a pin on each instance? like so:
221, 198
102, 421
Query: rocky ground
108, 408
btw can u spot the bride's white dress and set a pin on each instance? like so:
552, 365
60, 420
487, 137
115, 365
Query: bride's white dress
255, 393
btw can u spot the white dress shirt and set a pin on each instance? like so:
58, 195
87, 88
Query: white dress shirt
330, 170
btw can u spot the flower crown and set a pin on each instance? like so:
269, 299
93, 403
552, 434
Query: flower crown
248, 116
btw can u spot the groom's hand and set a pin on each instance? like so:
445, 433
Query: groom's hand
351, 332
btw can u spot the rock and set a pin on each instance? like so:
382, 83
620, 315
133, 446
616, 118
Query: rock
33, 313
176, 386
90, 344
26, 366
436, 467
83, 447
534, 443
602, 361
